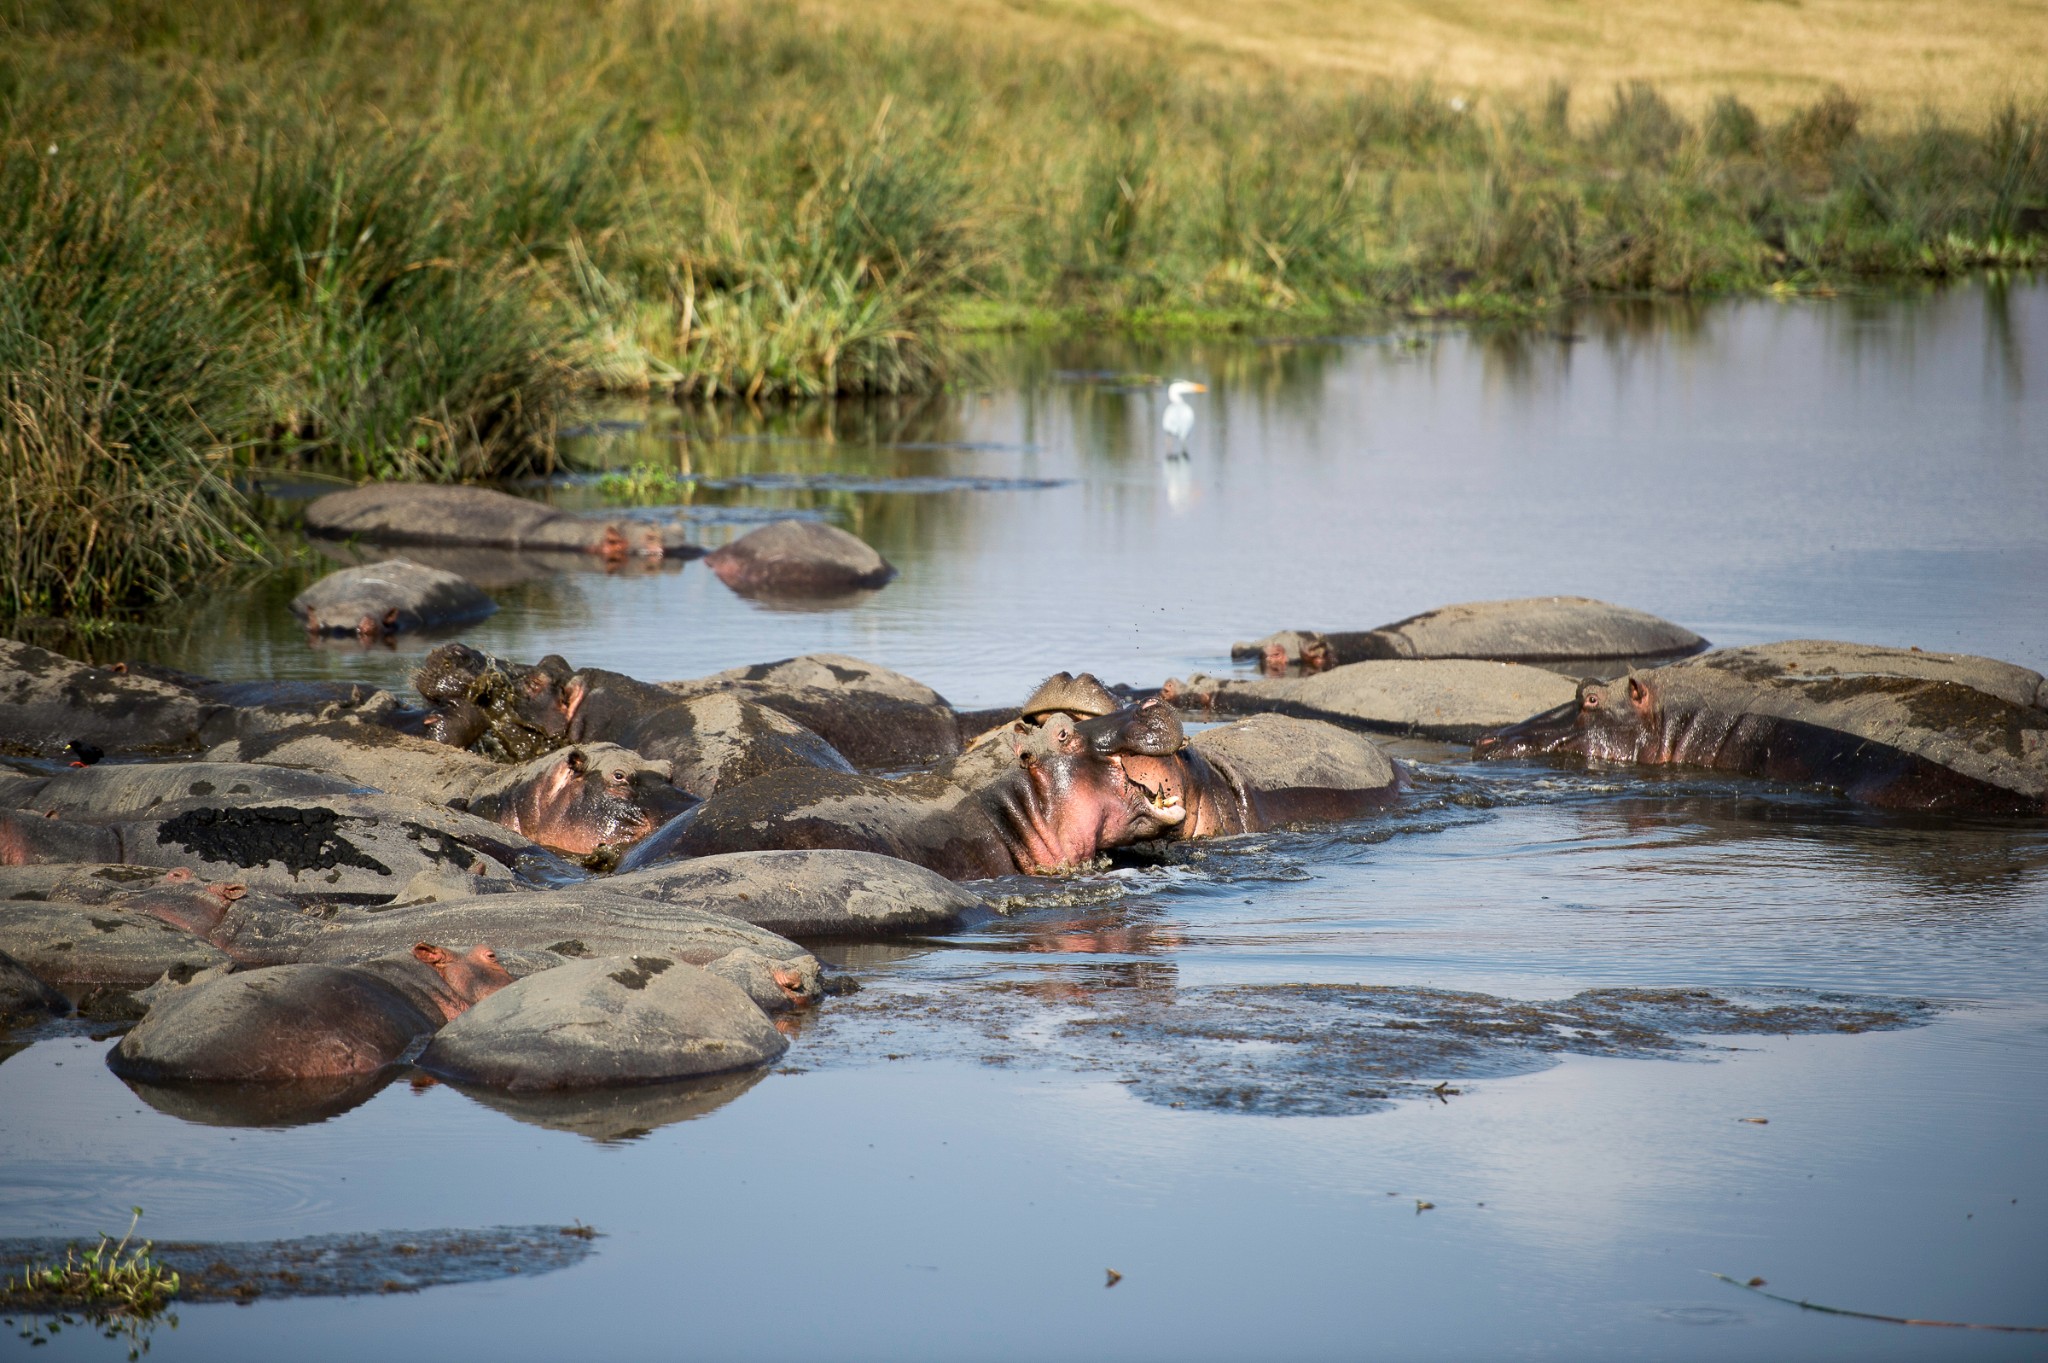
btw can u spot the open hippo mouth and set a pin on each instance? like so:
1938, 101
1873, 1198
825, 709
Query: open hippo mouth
1157, 791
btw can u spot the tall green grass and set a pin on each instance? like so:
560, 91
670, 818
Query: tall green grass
123, 376
395, 239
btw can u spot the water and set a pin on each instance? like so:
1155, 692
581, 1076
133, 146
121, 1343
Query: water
948, 1162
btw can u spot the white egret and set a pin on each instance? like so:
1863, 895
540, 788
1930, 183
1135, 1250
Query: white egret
1180, 418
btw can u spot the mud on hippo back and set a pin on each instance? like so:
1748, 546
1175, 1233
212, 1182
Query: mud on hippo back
1895, 728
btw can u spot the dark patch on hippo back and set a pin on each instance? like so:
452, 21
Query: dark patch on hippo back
571, 948
202, 788
298, 839
645, 969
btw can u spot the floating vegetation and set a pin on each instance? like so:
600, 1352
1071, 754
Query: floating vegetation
110, 1287
371, 1264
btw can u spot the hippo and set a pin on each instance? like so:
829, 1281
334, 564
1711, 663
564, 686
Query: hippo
1068, 793
1452, 698
877, 719
423, 513
812, 893
799, 559
102, 792
328, 849
387, 598
574, 800
712, 740
615, 1020
1540, 629
48, 701
298, 1022
1895, 728
530, 929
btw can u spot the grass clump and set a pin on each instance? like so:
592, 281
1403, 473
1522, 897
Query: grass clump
108, 1280
122, 377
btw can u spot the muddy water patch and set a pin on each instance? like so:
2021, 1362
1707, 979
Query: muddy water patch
1310, 1049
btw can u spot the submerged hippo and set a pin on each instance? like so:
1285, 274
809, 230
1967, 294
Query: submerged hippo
1539, 629
1450, 698
641, 1019
391, 597
422, 513
306, 1021
799, 559
1890, 727
1068, 793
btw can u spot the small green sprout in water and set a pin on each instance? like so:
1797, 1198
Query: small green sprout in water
643, 482
108, 1280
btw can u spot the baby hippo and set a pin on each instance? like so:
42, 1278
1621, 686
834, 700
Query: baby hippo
293, 1022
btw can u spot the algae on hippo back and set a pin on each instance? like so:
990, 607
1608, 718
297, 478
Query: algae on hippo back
298, 838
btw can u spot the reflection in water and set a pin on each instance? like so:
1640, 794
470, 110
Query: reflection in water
299, 1103
617, 1114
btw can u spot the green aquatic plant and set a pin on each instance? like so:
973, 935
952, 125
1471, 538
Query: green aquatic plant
109, 1279
644, 481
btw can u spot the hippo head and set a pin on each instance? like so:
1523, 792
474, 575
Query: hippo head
1102, 783
591, 796
466, 980
1617, 721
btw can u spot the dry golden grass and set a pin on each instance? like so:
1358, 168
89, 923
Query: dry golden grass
1961, 58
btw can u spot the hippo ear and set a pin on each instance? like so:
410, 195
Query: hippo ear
576, 761
1638, 694
430, 954
572, 697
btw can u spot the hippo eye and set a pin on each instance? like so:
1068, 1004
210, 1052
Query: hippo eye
1590, 701
620, 777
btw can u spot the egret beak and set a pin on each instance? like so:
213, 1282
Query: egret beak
1198, 388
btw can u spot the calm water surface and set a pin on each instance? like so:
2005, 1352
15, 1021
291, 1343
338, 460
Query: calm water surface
949, 1161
